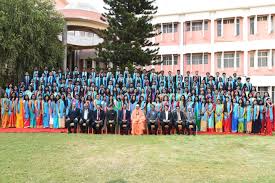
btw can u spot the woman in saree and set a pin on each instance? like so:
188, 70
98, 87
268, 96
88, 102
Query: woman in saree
20, 112
32, 112
39, 111
46, 112
256, 123
12, 112
210, 112
61, 110
5, 111
249, 114
241, 113
26, 112
235, 116
269, 117
204, 116
262, 115
138, 121
219, 115
227, 115
197, 110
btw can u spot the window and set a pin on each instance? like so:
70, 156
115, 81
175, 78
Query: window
196, 26
237, 26
205, 58
219, 59
228, 21
251, 58
262, 58
262, 90
168, 27
261, 18
187, 25
219, 28
228, 60
167, 59
197, 59
272, 24
237, 59
252, 25
205, 24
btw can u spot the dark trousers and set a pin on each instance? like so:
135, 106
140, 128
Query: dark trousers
97, 127
111, 126
176, 125
193, 125
71, 123
84, 123
152, 127
166, 127
124, 127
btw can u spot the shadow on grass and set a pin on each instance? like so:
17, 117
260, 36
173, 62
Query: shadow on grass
117, 181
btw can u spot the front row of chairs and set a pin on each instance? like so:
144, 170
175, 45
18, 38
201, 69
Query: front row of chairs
123, 127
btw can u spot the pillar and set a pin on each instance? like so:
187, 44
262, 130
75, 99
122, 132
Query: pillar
64, 42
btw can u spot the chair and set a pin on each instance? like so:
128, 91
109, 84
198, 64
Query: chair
111, 123
124, 125
97, 125
153, 126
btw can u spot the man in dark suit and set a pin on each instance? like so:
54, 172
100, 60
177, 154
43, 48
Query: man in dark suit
190, 121
166, 120
99, 117
111, 119
124, 117
72, 118
86, 118
152, 120
179, 120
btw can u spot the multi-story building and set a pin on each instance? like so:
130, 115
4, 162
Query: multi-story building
227, 39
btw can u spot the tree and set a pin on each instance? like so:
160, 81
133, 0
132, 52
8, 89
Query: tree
127, 38
29, 32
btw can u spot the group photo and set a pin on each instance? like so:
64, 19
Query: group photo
115, 91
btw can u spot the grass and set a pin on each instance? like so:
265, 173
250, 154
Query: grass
56, 158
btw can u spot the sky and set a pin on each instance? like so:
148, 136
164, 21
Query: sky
179, 6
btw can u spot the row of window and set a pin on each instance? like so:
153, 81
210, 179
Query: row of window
228, 59
200, 25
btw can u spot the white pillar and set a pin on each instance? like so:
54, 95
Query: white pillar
245, 61
235, 61
181, 63
161, 66
181, 33
64, 42
173, 31
256, 60
203, 67
255, 24
222, 61
235, 26
212, 57
203, 28
269, 24
245, 28
191, 60
161, 30
269, 63
222, 28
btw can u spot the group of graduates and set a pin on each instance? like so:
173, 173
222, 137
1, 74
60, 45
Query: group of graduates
136, 102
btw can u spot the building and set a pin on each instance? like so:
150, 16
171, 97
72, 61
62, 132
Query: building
219, 37
202, 35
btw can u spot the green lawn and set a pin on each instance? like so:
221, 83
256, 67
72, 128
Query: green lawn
88, 158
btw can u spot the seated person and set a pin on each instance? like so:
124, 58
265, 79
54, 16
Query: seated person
179, 120
138, 121
98, 117
86, 118
190, 121
72, 118
166, 119
152, 120
124, 118
111, 119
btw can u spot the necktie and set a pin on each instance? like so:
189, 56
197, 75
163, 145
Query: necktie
124, 115
98, 115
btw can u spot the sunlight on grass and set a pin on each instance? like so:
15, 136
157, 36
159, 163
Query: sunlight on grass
87, 158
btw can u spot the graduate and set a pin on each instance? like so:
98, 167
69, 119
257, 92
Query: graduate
210, 111
269, 117
249, 115
39, 111
26, 112
241, 113
219, 115
46, 112
204, 116
12, 112
61, 110
32, 112
138, 121
5, 104
20, 112
235, 116
227, 115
